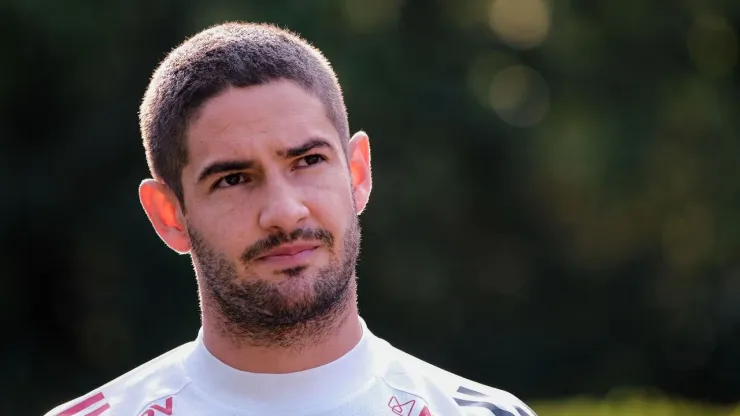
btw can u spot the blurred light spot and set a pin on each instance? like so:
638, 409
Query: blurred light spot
367, 16
570, 152
691, 106
519, 95
521, 24
712, 44
466, 14
481, 72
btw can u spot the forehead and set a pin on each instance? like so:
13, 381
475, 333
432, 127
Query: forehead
269, 117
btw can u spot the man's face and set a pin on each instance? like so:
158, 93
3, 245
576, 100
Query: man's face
269, 209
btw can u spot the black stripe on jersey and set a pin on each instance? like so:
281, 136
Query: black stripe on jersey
495, 410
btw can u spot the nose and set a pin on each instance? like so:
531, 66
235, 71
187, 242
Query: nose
284, 208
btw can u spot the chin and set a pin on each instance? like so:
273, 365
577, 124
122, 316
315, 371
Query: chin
297, 271
298, 288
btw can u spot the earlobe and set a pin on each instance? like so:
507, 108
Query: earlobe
163, 210
358, 152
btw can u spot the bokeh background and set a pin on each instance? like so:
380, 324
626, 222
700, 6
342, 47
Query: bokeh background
556, 209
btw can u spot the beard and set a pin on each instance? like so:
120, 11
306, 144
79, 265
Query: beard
295, 312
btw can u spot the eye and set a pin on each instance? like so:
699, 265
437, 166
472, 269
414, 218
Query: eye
233, 179
310, 160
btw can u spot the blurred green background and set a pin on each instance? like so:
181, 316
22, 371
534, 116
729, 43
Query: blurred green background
556, 209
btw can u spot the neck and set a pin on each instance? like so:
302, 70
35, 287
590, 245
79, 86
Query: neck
344, 333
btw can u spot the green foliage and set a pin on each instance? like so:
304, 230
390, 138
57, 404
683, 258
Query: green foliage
555, 203
630, 405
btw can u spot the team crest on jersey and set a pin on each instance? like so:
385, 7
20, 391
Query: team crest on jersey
405, 406
401, 409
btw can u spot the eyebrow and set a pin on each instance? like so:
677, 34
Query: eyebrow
311, 144
233, 165
224, 166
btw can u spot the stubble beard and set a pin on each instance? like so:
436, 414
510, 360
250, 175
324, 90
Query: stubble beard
253, 311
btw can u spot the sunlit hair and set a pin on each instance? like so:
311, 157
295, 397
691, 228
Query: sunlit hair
233, 54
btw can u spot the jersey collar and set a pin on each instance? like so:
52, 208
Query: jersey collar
316, 389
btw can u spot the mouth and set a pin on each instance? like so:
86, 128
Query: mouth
289, 253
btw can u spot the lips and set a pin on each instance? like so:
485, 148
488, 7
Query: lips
288, 250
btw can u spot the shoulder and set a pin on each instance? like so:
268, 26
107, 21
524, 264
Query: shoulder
411, 374
133, 392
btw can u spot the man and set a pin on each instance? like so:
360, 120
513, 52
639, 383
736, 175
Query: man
256, 176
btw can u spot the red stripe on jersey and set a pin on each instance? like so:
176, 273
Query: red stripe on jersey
99, 410
82, 405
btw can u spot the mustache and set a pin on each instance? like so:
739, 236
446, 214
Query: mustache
268, 243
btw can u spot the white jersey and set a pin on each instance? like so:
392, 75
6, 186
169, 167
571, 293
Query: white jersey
373, 379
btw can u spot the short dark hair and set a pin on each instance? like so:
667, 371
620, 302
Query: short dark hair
233, 54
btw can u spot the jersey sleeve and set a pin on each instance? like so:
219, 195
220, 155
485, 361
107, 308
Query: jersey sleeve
478, 399
91, 404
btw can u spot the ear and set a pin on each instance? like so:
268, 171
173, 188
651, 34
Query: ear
358, 154
164, 212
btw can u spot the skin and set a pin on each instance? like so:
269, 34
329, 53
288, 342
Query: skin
273, 314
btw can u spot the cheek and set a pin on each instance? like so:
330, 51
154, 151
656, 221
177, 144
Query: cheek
227, 224
331, 207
